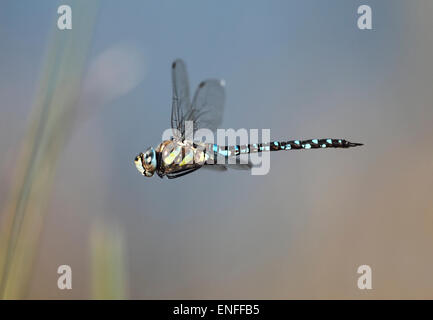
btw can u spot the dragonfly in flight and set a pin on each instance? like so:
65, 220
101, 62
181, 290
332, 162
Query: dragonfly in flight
179, 156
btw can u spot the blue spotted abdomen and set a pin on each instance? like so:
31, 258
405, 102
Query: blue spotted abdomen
231, 151
312, 144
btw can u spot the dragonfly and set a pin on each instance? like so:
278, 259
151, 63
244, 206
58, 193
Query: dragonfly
179, 156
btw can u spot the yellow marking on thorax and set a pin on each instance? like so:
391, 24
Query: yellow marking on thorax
189, 156
169, 158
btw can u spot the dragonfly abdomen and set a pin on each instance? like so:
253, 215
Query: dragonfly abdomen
311, 144
230, 151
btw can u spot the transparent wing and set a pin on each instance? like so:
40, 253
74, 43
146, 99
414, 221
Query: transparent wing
207, 107
224, 167
238, 165
181, 102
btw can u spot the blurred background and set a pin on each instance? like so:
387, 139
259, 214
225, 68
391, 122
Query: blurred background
78, 105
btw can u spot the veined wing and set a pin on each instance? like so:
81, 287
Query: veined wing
181, 101
206, 109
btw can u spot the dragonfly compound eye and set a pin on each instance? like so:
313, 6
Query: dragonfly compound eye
149, 162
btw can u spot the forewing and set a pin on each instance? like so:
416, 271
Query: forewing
181, 101
224, 167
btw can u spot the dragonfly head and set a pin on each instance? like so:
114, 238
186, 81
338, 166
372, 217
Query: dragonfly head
146, 162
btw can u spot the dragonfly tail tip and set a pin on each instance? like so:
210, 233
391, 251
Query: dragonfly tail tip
355, 144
